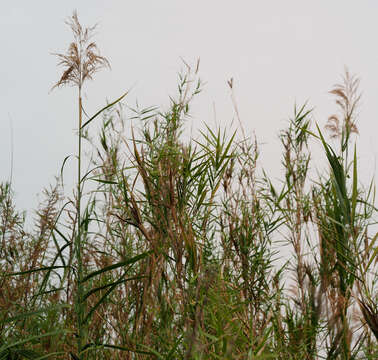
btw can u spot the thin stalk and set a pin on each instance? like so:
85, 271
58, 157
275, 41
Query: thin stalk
78, 242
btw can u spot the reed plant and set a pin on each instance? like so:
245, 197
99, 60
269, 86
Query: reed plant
171, 252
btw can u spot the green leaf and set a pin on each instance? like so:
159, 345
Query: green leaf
92, 291
62, 168
31, 313
116, 347
47, 268
116, 266
375, 253
103, 109
35, 337
106, 181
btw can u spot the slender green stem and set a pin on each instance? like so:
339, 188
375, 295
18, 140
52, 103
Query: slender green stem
79, 296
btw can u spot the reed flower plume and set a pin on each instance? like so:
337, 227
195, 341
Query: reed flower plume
347, 98
82, 59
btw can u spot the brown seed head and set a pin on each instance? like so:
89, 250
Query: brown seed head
82, 59
347, 98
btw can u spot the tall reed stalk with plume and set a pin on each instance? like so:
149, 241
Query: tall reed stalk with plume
81, 61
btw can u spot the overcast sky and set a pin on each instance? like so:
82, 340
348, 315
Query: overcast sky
278, 52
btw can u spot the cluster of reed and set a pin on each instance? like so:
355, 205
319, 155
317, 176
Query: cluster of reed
171, 253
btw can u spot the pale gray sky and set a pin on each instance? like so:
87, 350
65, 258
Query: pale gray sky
278, 52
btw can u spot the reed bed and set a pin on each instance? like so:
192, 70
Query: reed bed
168, 248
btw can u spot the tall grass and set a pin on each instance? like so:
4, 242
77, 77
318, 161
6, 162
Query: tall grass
80, 63
172, 253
